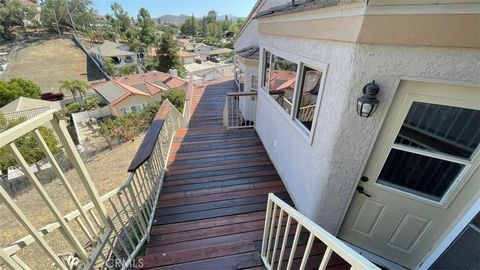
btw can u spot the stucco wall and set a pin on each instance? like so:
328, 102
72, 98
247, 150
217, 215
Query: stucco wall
131, 100
248, 37
247, 105
321, 177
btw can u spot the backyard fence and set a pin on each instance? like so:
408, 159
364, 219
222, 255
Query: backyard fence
16, 182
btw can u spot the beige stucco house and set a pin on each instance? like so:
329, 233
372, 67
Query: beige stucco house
370, 112
134, 92
119, 53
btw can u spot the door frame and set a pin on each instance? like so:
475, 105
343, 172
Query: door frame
457, 226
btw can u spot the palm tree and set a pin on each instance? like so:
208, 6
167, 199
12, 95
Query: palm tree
75, 87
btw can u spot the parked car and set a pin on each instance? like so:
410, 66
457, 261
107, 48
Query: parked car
52, 96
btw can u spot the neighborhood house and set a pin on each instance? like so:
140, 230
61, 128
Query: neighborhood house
117, 52
134, 92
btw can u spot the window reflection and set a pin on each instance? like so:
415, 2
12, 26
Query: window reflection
442, 129
307, 98
282, 82
423, 176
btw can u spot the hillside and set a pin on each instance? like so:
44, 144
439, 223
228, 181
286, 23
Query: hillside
173, 19
179, 19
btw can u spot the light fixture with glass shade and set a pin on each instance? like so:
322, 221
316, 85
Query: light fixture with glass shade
368, 102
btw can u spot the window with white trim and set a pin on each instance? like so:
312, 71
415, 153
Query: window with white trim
282, 81
133, 108
294, 85
308, 96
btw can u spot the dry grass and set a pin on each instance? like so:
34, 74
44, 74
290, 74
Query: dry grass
108, 171
47, 60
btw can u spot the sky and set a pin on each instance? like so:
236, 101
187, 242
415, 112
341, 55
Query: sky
157, 8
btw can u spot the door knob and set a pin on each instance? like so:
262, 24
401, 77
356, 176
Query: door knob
361, 190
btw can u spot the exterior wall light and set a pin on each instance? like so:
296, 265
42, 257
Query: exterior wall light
368, 103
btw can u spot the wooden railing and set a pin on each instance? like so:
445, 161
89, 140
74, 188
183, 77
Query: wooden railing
240, 110
281, 220
110, 230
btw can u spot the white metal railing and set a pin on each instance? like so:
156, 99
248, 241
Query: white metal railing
240, 110
112, 227
275, 253
306, 113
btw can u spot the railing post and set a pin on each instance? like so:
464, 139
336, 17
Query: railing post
60, 128
237, 116
268, 217
225, 113
333, 245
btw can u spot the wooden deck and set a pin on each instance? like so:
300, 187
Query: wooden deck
212, 205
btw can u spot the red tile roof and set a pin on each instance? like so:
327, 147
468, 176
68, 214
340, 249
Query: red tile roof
151, 77
151, 80
282, 79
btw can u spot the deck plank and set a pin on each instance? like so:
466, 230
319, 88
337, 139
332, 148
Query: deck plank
211, 210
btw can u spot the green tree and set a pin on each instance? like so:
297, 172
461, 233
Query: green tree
13, 13
167, 57
75, 87
176, 96
54, 15
190, 26
119, 20
147, 27
212, 16
26, 144
15, 88
82, 14
127, 70
109, 67
204, 27
227, 24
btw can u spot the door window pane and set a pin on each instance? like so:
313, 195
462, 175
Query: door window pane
421, 175
442, 129
307, 98
282, 82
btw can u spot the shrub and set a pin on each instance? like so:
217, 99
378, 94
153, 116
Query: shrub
91, 103
176, 96
73, 107
123, 128
15, 88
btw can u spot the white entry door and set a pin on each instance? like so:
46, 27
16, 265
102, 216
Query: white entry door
422, 174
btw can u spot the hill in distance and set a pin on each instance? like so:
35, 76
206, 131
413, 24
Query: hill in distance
179, 19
